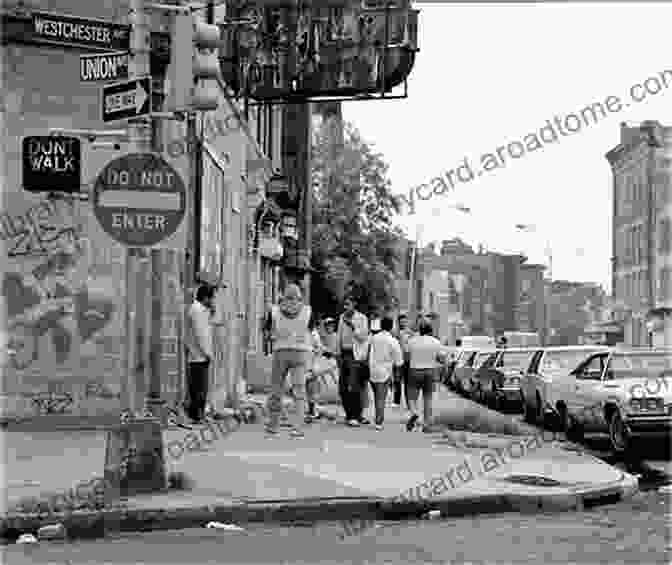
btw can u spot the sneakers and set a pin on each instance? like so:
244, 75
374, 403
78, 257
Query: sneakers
271, 430
364, 422
379, 427
353, 423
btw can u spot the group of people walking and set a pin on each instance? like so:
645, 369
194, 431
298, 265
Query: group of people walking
382, 353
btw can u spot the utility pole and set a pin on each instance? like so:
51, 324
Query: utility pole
134, 451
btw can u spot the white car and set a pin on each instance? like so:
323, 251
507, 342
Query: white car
626, 393
548, 366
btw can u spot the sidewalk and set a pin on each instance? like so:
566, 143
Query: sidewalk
335, 473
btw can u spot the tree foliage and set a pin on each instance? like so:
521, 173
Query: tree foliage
355, 243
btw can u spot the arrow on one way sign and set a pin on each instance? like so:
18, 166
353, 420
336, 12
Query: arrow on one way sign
127, 99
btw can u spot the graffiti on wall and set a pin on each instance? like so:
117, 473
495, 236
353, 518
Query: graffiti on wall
40, 230
49, 303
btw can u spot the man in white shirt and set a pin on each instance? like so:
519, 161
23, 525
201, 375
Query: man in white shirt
426, 353
199, 344
385, 356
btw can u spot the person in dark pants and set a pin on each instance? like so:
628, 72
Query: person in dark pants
401, 376
352, 339
199, 343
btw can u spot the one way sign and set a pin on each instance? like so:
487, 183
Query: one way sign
128, 99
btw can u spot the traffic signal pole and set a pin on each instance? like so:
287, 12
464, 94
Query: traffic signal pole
134, 449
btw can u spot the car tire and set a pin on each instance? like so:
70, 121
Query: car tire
528, 411
496, 399
539, 415
570, 426
618, 436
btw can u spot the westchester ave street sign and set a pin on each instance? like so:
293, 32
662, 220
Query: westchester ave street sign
61, 29
139, 199
128, 99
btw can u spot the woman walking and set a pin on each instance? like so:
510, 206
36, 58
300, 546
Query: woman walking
291, 324
425, 354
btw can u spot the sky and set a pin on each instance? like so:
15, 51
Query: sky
488, 75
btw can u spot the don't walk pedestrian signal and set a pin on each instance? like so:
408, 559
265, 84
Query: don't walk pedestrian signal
194, 62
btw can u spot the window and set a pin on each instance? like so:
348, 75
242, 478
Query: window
592, 369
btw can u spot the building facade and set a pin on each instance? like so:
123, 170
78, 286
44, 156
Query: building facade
77, 318
479, 292
641, 262
572, 308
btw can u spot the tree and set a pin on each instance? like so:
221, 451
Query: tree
355, 244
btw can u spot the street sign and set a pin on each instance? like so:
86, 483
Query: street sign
128, 99
80, 32
139, 199
52, 163
103, 66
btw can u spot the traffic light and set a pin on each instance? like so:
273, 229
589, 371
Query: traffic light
194, 62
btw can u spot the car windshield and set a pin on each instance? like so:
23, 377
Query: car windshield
564, 360
624, 365
518, 360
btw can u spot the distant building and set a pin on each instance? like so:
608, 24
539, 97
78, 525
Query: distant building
642, 233
572, 308
478, 292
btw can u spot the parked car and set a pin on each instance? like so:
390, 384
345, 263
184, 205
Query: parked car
465, 375
498, 381
451, 355
626, 393
547, 365
463, 366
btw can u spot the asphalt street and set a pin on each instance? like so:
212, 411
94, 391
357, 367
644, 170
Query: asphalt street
636, 531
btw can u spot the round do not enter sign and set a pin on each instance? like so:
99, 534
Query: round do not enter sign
139, 199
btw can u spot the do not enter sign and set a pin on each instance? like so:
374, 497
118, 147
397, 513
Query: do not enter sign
139, 199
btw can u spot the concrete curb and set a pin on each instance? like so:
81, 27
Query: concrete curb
91, 525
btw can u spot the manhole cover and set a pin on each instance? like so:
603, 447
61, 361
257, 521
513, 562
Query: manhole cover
532, 480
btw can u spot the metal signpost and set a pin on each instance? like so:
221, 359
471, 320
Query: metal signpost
103, 66
128, 99
139, 199
52, 163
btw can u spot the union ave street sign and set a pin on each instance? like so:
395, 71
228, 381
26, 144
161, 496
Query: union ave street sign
103, 66
139, 199
128, 99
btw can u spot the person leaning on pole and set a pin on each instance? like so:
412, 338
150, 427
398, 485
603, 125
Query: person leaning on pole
352, 337
199, 345
290, 326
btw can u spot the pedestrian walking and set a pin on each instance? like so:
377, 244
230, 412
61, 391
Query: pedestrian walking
352, 338
385, 357
425, 352
401, 378
199, 345
289, 325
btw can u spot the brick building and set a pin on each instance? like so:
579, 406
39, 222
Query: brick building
642, 250
479, 292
